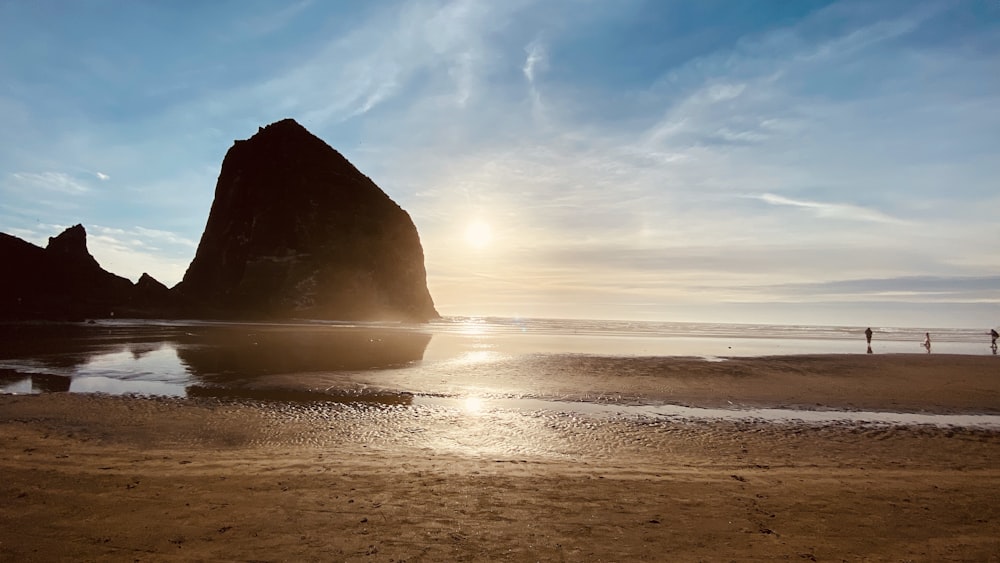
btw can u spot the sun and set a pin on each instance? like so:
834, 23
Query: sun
478, 234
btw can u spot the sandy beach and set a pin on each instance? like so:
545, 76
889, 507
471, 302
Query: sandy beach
92, 477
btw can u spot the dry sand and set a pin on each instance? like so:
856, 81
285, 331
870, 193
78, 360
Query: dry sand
128, 479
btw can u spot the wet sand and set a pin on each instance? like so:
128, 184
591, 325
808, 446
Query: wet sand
89, 477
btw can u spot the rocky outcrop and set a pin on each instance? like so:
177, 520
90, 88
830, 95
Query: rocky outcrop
296, 231
152, 298
60, 281
79, 273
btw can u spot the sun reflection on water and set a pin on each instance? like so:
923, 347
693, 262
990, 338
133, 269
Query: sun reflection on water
473, 405
478, 357
473, 326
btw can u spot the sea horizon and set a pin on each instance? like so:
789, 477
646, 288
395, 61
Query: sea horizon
970, 339
582, 325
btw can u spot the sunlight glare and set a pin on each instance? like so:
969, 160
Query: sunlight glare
472, 326
477, 357
478, 234
473, 405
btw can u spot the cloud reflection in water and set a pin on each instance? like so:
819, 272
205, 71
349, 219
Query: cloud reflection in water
256, 361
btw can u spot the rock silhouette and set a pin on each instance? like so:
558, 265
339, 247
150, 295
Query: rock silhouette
297, 231
61, 281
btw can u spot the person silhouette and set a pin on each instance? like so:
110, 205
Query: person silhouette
994, 335
868, 334
927, 341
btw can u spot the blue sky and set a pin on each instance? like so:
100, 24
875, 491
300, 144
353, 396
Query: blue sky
787, 162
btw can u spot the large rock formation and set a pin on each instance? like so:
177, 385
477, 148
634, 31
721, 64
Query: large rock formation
60, 281
297, 231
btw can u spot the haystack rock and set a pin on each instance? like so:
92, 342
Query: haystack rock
296, 231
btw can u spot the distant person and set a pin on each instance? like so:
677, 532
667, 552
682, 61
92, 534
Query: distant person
868, 335
994, 335
927, 341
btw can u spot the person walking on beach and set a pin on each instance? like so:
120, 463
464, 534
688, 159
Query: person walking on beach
868, 337
927, 341
994, 335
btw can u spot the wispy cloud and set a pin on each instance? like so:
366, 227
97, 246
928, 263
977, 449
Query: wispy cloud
980, 289
130, 252
851, 43
58, 182
273, 20
832, 210
535, 61
417, 48
165, 236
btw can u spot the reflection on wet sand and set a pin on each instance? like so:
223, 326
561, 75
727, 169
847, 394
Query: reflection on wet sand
219, 355
64, 348
260, 362
473, 373
295, 365
35, 382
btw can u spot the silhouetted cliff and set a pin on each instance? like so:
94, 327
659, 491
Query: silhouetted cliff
296, 230
60, 281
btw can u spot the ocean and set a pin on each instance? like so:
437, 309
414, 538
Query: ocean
378, 361
709, 340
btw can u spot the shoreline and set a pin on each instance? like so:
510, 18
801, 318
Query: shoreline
900, 383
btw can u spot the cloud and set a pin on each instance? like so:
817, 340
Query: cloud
38, 234
850, 43
165, 236
722, 92
930, 289
57, 182
130, 252
268, 23
102, 176
418, 48
832, 210
536, 60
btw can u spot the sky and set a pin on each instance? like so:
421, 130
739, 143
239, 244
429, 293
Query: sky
806, 162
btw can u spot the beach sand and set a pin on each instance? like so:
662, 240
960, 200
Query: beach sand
88, 477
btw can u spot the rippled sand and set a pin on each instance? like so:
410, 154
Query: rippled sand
117, 478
